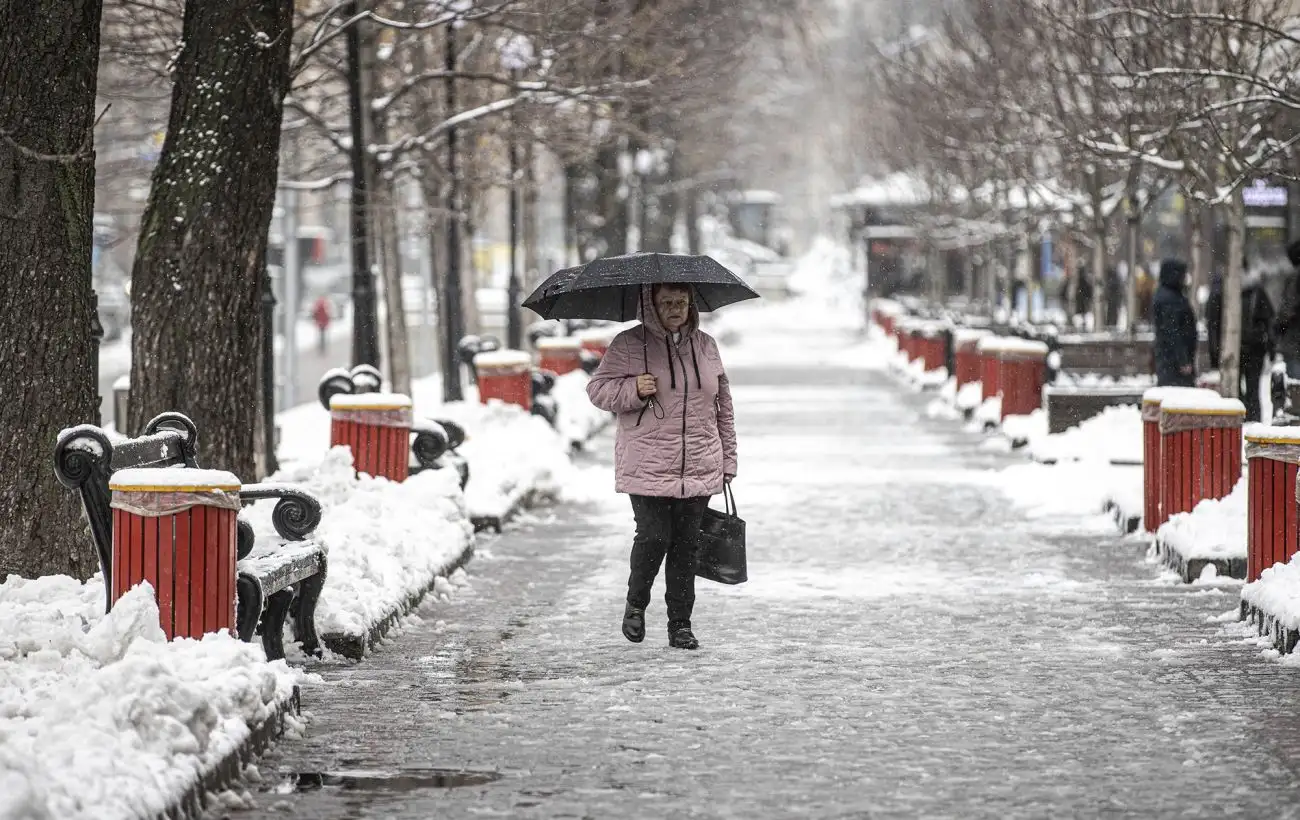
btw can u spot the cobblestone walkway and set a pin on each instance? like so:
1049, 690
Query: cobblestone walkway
908, 646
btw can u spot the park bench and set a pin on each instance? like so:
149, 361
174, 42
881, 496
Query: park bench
1068, 406
276, 577
433, 443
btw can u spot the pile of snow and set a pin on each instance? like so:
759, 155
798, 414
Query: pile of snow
1114, 435
577, 418
1214, 530
1277, 592
386, 541
1125, 494
1075, 490
988, 413
1025, 429
101, 717
1068, 379
511, 453
969, 396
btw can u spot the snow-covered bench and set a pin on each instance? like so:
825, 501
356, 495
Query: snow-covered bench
275, 575
1069, 406
433, 442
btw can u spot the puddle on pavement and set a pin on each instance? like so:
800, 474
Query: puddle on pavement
401, 780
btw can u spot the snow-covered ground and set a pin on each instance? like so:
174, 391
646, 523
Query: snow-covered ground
102, 718
386, 541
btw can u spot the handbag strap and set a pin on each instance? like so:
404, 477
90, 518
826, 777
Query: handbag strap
729, 498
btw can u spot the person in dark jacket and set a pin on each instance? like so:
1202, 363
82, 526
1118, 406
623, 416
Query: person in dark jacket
1256, 335
1286, 329
1175, 325
1113, 295
1082, 292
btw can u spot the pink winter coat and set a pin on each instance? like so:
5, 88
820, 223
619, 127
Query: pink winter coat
686, 453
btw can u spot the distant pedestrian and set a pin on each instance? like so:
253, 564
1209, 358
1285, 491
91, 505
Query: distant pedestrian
1175, 326
1287, 327
1257, 340
1114, 294
675, 447
1082, 292
1144, 295
321, 315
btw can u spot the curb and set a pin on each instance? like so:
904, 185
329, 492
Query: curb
194, 802
1267, 625
355, 647
1189, 569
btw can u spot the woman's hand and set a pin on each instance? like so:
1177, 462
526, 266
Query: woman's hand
646, 386
727, 479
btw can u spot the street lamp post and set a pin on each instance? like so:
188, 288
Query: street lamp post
365, 329
453, 313
514, 329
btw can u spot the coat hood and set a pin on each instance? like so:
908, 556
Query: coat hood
649, 317
1173, 274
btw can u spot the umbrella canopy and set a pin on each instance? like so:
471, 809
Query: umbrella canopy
610, 287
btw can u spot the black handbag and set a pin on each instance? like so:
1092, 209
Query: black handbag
720, 555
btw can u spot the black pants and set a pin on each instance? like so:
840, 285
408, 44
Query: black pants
666, 527
1252, 370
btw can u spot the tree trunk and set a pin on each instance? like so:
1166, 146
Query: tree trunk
1230, 348
1133, 225
659, 210
532, 261
692, 208
388, 215
1099, 289
967, 274
1200, 276
611, 202
572, 251
195, 284
49, 55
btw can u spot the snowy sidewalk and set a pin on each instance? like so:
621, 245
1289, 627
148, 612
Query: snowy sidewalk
910, 644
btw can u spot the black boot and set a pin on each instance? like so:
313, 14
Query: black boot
681, 637
633, 624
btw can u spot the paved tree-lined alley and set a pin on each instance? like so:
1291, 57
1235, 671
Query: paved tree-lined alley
908, 645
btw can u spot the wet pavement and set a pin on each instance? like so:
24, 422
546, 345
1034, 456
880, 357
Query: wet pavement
909, 645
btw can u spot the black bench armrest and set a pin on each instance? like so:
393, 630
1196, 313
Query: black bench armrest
296, 515
431, 442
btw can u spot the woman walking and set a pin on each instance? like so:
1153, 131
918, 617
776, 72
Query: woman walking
675, 447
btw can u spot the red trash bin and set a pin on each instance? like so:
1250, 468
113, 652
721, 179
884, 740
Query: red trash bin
1200, 450
987, 349
1152, 475
377, 427
1273, 454
1022, 369
175, 528
931, 349
505, 375
596, 340
559, 354
966, 355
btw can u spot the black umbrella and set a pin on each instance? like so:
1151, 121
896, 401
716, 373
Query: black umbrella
610, 287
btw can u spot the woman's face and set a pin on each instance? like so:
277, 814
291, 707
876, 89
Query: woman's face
673, 307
